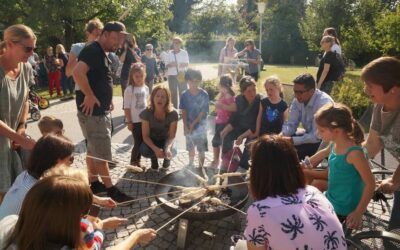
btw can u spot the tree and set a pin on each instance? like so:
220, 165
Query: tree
181, 9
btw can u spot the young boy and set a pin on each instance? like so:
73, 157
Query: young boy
194, 105
50, 124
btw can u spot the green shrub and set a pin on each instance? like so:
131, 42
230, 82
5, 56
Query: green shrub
211, 86
350, 92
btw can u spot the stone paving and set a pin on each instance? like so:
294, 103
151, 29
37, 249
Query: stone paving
201, 234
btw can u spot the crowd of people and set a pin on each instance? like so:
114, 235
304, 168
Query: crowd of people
284, 145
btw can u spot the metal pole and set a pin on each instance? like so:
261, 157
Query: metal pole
259, 47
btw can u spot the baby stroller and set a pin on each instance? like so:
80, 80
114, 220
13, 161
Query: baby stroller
41, 102
34, 110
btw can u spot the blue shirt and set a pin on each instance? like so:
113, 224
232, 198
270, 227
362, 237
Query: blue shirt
194, 105
305, 114
16, 194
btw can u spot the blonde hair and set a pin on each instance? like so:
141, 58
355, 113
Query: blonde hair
231, 38
48, 124
177, 38
329, 39
136, 67
93, 24
65, 170
275, 81
60, 48
168, 106
16, 33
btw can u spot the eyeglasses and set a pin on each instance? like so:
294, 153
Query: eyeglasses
27, 49
300, 92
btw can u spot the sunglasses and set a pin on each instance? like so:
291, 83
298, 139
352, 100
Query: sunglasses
27, 49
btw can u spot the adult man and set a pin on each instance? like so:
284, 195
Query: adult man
307, 101
176, 61
253, 57
94, 102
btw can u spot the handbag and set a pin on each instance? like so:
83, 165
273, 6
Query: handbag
181, 74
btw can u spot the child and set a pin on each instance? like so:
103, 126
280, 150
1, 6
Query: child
194, 105
135, 101
225, 106
274, 108
350, 181
50, 124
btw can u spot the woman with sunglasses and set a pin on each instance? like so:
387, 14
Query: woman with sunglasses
15, 73
149, 59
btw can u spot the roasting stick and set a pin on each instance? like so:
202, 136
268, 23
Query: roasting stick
136, 180
217, 201
127, 166
201, 179
167, 201
179, 215
148, 197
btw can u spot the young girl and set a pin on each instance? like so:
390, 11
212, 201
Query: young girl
350, 181
225, 106
274, 108
135, 101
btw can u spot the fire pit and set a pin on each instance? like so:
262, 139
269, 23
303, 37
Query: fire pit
236, 195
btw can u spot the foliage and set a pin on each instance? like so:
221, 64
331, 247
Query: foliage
388, 31
181, 9
350, 92
211, 86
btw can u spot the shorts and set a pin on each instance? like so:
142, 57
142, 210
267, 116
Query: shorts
199, 141
216, 141
97, 132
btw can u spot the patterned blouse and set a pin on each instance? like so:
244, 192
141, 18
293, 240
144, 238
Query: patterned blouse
305, 220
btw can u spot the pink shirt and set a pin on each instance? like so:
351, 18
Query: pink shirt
223, 115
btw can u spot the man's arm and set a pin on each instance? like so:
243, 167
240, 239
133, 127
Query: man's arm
290, 126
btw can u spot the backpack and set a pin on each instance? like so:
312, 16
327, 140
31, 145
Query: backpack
341, 67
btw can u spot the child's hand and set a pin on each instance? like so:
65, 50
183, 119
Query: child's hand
130, 126
106, 202
354, 220
159, 153
239, 140
113, 222
145, 235
386, 186
97, 223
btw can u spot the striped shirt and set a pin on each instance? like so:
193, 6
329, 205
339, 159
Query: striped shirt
16, 194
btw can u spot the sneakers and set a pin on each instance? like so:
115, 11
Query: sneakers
117, 195
166, 163
154, 163
97, 187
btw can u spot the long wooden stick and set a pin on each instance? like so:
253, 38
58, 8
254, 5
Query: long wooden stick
179, 215
136, 180
148, 197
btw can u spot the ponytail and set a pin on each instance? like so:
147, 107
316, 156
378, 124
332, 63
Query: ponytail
357, 134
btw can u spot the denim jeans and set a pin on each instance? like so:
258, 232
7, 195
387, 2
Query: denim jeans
147, 152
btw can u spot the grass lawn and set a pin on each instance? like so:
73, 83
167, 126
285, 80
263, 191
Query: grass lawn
285, 72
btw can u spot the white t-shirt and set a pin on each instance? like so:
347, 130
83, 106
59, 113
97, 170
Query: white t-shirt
7, 226
135, 99
181, 57
163, 56
336, 48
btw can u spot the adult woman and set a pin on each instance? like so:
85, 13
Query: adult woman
128, 55
226, 55
336, 46
53, 66
287, 214
56, 206
49, 151
149, 59
244, 123
18, 45
159, 123
329, 69
382, 85
92, 30
66, 82
177, 61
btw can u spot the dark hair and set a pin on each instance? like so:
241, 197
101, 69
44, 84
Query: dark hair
93, 24
305, 79
226, 82
384, 71
332, 32
275, 168
46, 152
193, 74
44, 207
339, 116
246, 82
